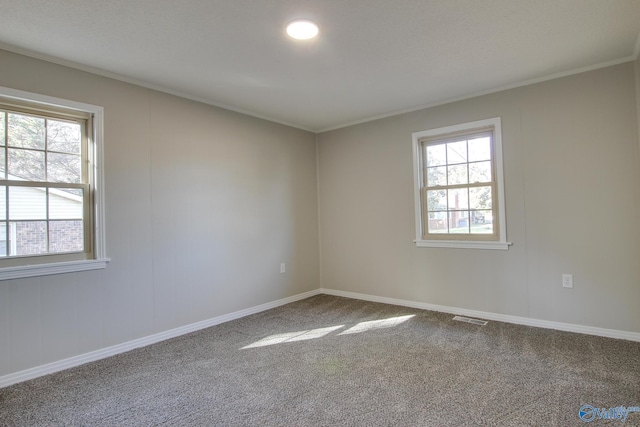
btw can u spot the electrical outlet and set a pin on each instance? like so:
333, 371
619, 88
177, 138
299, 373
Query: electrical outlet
283, 267
567, 280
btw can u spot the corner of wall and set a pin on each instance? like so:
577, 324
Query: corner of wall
321, 282
637, 72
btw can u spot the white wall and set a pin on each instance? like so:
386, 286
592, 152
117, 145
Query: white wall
202, 206
572, 174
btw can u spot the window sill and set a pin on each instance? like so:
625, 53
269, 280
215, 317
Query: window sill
23, 271
459, 244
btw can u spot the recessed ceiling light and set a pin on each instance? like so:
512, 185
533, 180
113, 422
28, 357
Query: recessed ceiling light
302, 29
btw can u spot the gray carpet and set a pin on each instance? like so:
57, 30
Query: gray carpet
330, 361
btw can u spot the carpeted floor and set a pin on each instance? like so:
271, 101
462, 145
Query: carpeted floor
331, 361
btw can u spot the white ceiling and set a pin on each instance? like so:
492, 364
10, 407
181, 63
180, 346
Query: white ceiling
372, 58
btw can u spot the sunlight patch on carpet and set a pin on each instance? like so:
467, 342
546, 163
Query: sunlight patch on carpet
293, 336
377, 324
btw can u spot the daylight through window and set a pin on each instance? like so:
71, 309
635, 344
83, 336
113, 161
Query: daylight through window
44, 183
51, 194
459, 184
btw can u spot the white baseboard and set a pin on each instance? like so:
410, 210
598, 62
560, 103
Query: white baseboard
568, 327
74, 361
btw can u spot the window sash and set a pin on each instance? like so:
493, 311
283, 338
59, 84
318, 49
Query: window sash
62, 114
444, 135
445, 139
15, 268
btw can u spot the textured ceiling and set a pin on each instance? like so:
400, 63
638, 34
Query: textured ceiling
372, 58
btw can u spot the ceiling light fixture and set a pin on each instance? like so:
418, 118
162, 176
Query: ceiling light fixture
302, 29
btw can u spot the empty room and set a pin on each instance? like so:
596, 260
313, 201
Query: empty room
320, 213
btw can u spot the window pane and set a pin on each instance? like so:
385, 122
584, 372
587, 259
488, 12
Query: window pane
481, 222
64, 168
3, 239
480, 172
65, 203
456, 152
436, 155
438, 222
26, 131
26, 164
459, 189
480, 149
3, 155
27, 203
63, 136
458, 199
480, 198
457, 174
436, 176
459, 222
30, 237
436, 200
3, 116
3, 203
66, 236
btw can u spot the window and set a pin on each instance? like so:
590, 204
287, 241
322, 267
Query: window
459, 192
50, 176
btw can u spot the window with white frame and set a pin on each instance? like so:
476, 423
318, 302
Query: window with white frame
50, 185
459, 190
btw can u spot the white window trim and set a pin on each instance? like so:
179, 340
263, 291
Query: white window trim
100, 250
502, 243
